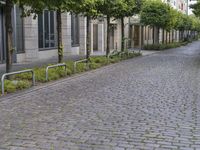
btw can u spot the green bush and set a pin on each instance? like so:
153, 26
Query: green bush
161, 46
102, 60
11, 86
81, 67
70, 65
26, 76
22, 85
94, 65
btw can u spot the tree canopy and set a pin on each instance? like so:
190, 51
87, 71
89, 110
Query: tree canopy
156, 13
196, 8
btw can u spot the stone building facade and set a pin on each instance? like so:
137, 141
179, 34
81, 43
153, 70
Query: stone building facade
36, 39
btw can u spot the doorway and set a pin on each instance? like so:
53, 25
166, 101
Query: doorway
112, 37
95, 37
136, 36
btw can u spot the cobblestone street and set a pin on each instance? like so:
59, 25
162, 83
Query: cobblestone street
150, 103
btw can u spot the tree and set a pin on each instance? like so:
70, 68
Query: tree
157, 14
88, 9
9, 30
172, 21
109, 9
126, 8
196, 8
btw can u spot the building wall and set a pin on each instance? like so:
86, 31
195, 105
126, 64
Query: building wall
136, 35
31, 45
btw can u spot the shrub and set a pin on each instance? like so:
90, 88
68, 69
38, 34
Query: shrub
14, 85
70, 65
9, 86
102, 60
81, 67
94, 65
161, 46
22, 85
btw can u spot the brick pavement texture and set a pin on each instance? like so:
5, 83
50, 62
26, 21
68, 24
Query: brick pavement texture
147, 103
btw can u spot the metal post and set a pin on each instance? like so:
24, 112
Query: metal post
13, 73
75, 63
54, 66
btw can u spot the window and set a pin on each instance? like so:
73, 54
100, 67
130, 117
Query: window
47, 30
75, 30
19, 31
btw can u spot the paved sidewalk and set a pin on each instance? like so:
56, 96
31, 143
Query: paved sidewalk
39, 63
19, 66
146, 103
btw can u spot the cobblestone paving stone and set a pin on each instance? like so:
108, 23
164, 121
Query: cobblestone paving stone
147, 103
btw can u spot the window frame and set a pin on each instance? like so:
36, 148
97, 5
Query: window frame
75, 34
22, 32
44, 48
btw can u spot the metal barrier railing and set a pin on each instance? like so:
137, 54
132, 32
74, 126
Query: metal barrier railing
54, 66
79, 61
14, 73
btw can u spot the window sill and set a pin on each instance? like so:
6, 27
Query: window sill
76, 45
48, 49
20, 52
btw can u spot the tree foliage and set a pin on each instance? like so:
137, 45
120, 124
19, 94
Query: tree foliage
196, 8
156, 13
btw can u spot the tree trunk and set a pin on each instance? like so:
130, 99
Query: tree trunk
169, 36
9, 35
108, 36
180, 36
59, 31
148, 35
158, 35
166, 37
122, 30
88, 51
163, 36
172, 36
153, 35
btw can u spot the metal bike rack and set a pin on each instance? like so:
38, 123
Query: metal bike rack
79, 61
13, 73
54, 66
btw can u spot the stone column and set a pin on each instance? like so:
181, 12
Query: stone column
31, 38
101, 45
67, 40
140, 36
83, 36
91, 37
66, 34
